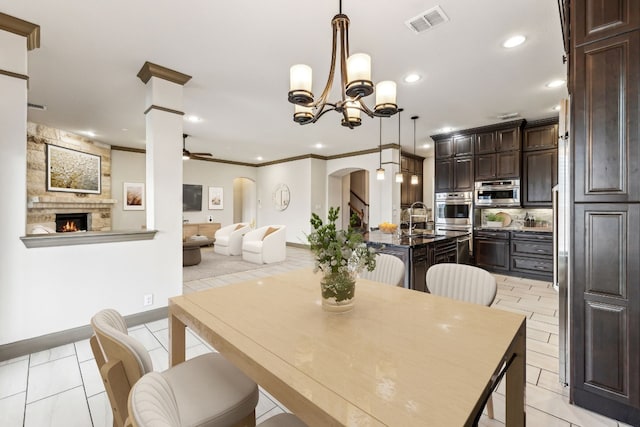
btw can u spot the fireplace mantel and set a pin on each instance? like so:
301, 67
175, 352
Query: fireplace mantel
51, 202
84, 238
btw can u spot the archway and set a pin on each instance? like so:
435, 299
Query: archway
349, 189
244, 200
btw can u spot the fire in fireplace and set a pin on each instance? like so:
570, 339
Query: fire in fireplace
71, 222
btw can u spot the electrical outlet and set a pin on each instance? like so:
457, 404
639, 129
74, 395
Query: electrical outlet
148, 299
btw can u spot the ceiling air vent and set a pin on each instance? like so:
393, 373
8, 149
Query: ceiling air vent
508, 116
427, 20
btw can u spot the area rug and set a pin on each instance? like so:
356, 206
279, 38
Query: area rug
213, 265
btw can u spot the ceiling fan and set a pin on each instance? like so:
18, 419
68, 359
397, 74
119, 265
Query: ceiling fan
186, 154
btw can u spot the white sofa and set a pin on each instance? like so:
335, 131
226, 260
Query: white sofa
229, 239
265, 245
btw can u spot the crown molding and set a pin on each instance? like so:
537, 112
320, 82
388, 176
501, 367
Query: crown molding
165, 109
542, 122
481, 129
22, 28
149, 70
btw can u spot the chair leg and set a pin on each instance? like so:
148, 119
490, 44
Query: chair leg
490, 407
117, 387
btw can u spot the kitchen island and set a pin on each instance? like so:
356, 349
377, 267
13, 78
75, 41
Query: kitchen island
418, 252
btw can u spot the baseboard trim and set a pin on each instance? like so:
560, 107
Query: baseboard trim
56, 339
298, 245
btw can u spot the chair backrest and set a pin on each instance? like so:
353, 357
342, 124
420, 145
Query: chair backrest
389, 269
123, 360
152, 403
462, 282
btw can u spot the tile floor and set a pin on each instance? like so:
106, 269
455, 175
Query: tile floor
62, 386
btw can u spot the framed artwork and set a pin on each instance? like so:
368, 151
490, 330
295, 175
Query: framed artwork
133, 196
73, 171
215, 198
281, 197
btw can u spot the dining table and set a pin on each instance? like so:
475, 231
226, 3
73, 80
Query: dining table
399, 358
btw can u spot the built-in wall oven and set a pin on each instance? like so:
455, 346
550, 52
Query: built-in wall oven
454, 212
502, 193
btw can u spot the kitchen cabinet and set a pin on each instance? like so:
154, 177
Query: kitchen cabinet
445, 251
540, 174
604, 310
498, 140
540, 137
420, 263
491, 249
454, 174
497, 166
452, 146
532, 254
409, 193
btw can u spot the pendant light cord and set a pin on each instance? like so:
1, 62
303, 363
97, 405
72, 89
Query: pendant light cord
380, 142
414, 118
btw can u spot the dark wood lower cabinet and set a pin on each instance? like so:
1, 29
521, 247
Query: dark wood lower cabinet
491, 249
532, 254
605, 313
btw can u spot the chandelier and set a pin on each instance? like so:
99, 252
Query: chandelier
356, 84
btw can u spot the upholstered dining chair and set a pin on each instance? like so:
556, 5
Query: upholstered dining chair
229, 239
464, 283
265, 245
211, 390
389, 269
153, 403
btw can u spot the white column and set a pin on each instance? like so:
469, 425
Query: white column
163, 115
16, 38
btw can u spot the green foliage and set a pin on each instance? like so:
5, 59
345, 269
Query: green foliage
339, 251
492, 217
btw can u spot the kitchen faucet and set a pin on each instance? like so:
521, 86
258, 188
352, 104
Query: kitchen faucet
411, 215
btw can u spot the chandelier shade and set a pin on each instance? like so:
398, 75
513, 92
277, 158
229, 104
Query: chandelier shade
355, 84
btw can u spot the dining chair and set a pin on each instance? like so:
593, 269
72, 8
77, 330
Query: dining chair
153, 403
464, 283
211, 390
389, 269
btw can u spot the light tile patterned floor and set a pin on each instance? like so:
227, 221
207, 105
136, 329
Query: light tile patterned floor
62, 387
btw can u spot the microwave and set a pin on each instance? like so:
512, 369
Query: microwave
497, 193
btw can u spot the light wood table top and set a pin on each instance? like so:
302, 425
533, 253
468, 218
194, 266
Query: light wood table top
400, 357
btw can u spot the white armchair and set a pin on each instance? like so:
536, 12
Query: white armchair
265, 245
229, 239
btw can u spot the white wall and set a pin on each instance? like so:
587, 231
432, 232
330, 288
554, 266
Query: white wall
126, 167
297, 176
211, 174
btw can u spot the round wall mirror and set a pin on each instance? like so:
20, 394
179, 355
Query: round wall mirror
281, 197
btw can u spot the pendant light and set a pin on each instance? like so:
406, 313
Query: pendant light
399, 175
380, 171
414, 177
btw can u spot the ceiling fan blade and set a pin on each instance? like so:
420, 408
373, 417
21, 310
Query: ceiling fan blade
202, 154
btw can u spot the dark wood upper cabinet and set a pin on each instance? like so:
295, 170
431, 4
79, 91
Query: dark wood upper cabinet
508, 164
508, 139
463, 174
593, 20
443, 175
540, 175
463, 145
409, 165
485, 143
443, 148
605, 118
540, 137
485, 167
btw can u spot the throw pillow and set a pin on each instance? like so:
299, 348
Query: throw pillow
269, 231
239, 226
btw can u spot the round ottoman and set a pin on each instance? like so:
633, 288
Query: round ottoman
191, 253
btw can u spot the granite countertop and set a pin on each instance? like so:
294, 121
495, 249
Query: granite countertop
518, 228
394, 240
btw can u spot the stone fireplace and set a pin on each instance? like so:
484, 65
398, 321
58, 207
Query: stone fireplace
43, 205
71, 222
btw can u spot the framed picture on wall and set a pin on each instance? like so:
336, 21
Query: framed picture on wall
133, 196
215, 198
73, 171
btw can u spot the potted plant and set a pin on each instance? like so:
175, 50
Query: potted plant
340, 255
493, 220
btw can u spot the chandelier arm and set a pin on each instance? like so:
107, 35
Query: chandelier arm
332, 67
344, 53
322, 112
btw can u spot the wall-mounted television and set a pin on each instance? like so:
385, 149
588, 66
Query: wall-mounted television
191, 198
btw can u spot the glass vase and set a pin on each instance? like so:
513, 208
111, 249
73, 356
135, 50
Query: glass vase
338, 291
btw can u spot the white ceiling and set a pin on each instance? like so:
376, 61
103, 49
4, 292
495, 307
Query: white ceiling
239, 53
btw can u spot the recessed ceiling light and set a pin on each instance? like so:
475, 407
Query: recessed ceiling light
193, 119
555, 83
426, 145
319, 145
124, 129
556, 108
412, 78
90, 133
259, 158
446, 129
514, 41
